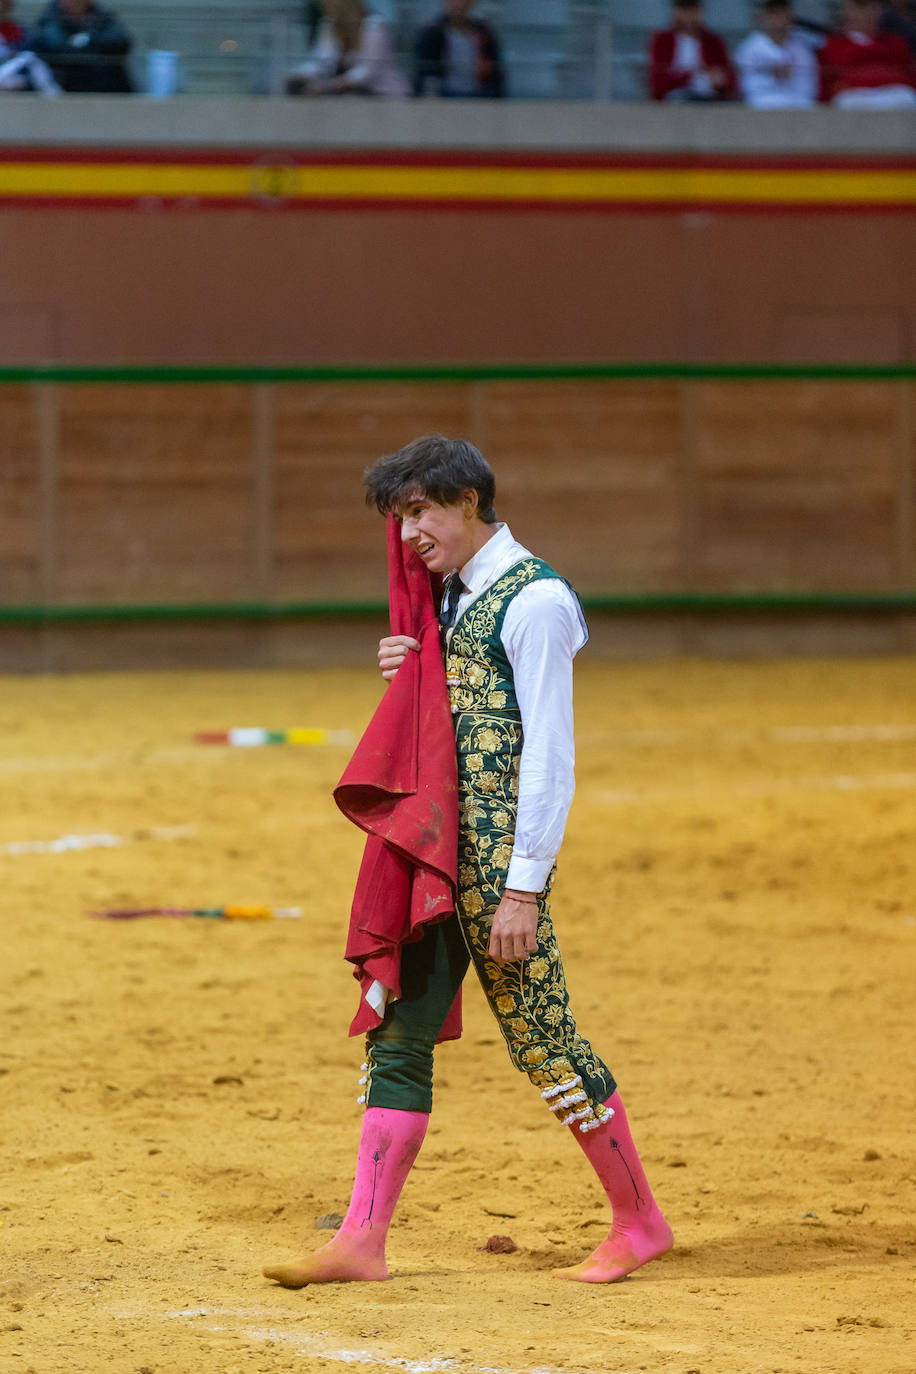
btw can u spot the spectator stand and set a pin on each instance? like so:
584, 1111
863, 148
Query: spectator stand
622, 29
233, 48
552, 49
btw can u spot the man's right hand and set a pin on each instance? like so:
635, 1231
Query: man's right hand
392, 653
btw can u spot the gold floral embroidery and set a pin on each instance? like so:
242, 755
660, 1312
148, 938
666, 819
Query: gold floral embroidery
535, 1056
529, 997
501, 855
472, 902
471, 811
488, 741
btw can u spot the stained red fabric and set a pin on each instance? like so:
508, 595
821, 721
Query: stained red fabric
401, 787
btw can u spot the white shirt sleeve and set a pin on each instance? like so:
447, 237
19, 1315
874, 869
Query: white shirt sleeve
371, 56
542, 632
754, 60
322, 58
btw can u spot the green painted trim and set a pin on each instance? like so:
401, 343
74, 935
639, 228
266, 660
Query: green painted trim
725, 602
671, 603
496, 372
227, 610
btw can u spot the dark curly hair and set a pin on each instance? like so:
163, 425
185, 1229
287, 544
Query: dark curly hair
434, 467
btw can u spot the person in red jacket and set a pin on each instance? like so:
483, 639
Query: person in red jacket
864, 68
688, 61
10, 32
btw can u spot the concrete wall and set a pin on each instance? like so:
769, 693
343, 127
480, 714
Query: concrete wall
534, 247
189, 122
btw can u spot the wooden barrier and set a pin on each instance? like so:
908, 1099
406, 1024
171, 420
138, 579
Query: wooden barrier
160, 494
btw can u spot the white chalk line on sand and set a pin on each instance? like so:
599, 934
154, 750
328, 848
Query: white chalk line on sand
65, 844
316, 1345
762, 787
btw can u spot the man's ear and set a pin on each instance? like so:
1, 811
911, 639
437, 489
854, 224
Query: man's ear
470, 502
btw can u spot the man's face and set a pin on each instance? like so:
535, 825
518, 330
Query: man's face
441, 535
75, 9
862, 18
458, 10
689, 19
777, 23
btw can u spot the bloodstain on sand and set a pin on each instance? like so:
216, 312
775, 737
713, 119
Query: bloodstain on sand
179, 1097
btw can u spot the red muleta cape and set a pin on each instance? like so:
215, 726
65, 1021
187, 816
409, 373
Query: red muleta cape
405, 796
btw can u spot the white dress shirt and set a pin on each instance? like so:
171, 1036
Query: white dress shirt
688, 57
543, 630
759, 55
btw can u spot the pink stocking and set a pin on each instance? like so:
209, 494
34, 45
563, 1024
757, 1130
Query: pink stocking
639, 1232
388, 1146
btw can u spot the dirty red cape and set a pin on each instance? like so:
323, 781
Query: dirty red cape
401, 787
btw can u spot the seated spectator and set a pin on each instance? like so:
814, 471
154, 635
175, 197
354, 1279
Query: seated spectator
10, 32
899, 17
21, 70
688, 61
85, 46
778, 68
352, 54
458, 56
865, 69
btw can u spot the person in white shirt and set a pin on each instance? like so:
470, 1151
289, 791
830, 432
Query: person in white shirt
353, 54
511, 628
778, 69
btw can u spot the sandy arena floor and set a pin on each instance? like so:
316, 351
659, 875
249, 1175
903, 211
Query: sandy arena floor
737, 906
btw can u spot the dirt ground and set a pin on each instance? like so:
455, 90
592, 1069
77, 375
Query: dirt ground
737, 906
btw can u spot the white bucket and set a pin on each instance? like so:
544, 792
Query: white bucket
161, 73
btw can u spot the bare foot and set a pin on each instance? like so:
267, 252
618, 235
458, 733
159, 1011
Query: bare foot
625, 1249
342, 1260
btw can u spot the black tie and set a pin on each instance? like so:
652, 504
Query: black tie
453, 589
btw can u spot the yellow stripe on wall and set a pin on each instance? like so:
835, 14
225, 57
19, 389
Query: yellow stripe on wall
123, 180
508, 185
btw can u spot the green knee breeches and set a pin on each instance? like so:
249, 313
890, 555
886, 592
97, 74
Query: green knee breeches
528, 998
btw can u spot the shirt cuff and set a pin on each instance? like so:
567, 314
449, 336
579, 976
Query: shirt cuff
528, 875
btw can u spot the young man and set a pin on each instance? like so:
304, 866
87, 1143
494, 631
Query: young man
778, 68
458, 55
688, 61
864, 68
85, 46
510, 629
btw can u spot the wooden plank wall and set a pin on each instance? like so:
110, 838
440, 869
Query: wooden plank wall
183, 493
120, 493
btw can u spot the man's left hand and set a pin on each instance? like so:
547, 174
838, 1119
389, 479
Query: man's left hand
513, 935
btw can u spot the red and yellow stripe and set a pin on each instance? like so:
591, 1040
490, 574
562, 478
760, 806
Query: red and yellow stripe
332, 180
